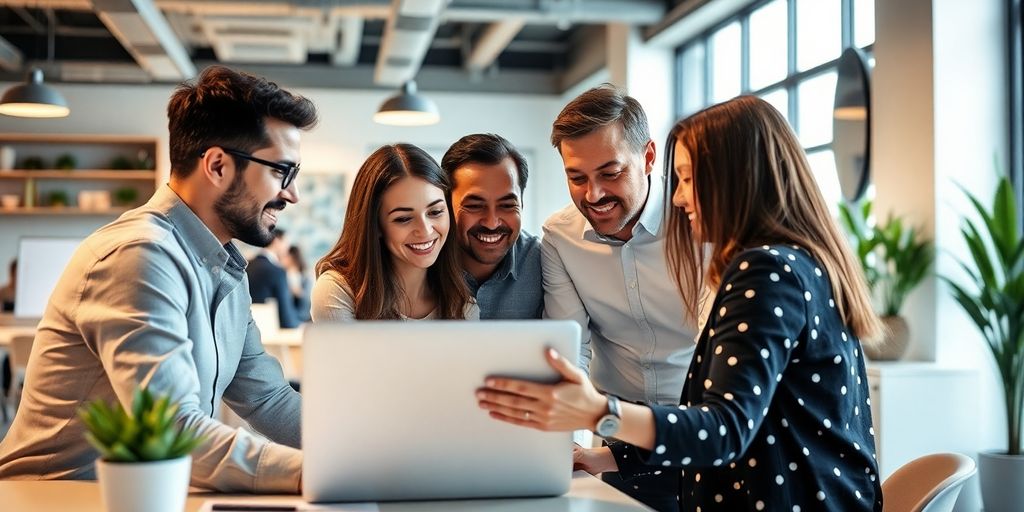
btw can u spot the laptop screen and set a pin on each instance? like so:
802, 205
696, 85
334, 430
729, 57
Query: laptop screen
41, 262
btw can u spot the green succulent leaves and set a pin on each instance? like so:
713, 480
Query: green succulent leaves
895, 257
147, 433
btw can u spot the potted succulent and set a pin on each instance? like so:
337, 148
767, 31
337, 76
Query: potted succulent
994, 300
895, 258
144, 459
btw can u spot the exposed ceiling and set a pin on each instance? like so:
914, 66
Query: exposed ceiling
458, 45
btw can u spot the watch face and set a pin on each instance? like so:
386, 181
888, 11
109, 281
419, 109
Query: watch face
608, 425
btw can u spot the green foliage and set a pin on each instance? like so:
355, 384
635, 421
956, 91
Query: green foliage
147, 433
994, 296
66, 162
58, 198
904, 252
125, 196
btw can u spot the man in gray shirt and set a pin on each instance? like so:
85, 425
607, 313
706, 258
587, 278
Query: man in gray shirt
501, 262
159, 298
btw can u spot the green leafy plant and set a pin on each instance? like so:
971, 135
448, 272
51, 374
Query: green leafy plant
58, 198
895, 257
994, 297
66, 162
125, 196
147, 433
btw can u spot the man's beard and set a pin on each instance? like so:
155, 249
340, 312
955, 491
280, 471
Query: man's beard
242, 221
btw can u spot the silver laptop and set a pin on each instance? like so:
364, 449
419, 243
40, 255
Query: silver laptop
389, 411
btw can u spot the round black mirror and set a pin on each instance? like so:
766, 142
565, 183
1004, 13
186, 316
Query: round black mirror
851, 124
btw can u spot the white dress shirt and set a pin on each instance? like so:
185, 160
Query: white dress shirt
636, 342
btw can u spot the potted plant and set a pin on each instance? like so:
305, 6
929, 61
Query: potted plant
895, 258
58, 199
994, 300
144, 459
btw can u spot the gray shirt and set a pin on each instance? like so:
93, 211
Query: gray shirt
636, 343
154, 299
515, 290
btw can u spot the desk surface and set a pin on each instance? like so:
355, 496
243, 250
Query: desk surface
586, 494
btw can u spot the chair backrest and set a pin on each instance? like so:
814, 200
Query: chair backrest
927, 484
20, 348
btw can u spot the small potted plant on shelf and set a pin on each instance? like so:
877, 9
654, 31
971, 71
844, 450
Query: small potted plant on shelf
993, 298
66, 162
58, 199
144, 459
895, 258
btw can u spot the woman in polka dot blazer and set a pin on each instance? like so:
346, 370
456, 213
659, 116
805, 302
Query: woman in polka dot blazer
775, 413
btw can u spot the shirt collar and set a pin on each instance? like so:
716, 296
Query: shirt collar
650, 221
196, 236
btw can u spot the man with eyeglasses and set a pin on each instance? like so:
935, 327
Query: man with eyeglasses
159, 298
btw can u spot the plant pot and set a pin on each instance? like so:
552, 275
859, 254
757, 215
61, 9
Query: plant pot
1002, 481
159, 486
894, 343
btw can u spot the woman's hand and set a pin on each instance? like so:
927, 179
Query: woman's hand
593, 460
572, 404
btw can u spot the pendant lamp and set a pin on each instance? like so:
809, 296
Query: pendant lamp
34, 99
407, 108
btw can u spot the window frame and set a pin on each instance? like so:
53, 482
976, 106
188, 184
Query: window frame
1015, 130
793, 76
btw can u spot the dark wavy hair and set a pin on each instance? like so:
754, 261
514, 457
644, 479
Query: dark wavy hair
227, 108
488, 149
360, 255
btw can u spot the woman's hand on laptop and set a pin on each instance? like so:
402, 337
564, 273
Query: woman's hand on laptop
572, 404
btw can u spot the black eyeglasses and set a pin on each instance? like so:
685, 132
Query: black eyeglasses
287, 171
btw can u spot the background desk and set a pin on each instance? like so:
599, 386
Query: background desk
587, 494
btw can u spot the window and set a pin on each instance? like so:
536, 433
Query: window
1016, 50
784, 51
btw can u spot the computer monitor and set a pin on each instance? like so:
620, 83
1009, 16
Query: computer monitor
389, 411
41, 262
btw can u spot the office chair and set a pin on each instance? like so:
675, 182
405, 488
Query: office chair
20, 348
930, 483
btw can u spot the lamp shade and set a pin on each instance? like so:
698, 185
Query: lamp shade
407, 109
34, 99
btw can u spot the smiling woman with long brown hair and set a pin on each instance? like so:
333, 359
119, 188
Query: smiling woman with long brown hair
391, 261
774, 413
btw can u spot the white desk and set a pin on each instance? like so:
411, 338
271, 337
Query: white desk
587, 494
7, 332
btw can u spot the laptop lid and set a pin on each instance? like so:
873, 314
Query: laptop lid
390, 413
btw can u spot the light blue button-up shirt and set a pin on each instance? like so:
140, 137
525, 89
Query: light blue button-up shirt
636, 343
154, 299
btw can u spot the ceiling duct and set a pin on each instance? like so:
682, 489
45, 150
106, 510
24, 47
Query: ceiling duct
10, 57
144, 32
258, 39
407, 35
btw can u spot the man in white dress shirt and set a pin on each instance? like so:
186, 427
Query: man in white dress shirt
605, 266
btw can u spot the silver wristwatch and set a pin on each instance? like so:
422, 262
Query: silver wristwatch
609, 424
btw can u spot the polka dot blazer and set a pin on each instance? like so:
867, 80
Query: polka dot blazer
775, 413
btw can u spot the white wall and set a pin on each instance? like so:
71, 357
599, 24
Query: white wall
939, 93
344, 137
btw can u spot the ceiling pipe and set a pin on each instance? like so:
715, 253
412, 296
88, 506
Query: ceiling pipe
492, 42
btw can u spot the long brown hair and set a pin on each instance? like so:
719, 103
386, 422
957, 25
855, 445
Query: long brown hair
754, 187
360, 256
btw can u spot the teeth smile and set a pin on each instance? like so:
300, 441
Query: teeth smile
603, 209
424, 246
489, 239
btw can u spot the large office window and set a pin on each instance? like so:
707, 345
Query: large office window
784, 51
1015, 30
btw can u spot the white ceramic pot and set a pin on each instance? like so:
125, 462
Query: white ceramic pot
1002, 481
160, 486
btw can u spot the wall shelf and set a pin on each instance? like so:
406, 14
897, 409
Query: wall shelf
92, 182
